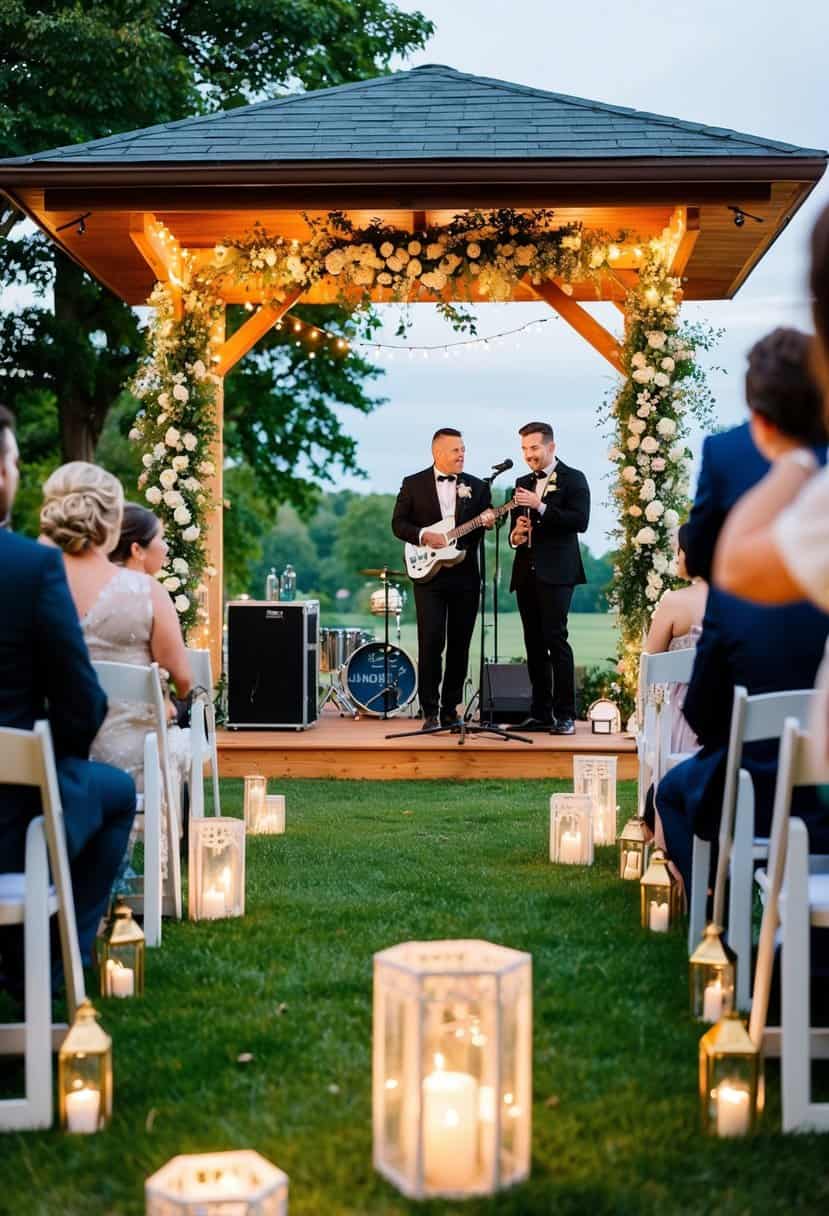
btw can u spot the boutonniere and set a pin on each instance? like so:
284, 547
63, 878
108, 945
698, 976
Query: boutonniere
552, 485
464, 491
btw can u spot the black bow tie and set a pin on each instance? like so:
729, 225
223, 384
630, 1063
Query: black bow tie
446, 477
539, 475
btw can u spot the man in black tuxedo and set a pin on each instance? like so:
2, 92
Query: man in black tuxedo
448, 603
554, 506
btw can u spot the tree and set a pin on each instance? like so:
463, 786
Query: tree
71, 72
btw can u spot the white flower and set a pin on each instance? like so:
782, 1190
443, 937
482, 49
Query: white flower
182, 603
433, 251
645, 536
671, 519
414, 267
661, 380
597, 257
134, 434
464, 491
394, 263
667, 364
172, 437
643, 375
172, 583
207, 468
190, 441
651, 592
473, 250
638, 360
449, 264
524, 254
653, 511
363, 276
182, 516
190, 534
402, 256
658, 464
159, 450
210, 571
629, 473
613, 453
650, 445
192, 484
173, 498
666, 427
180, 462
434, 279
648, 490
677, 452
571, 242
199, 370
635, 511
153, 495
656, 339
636, 426
168, 478
161, 419
147, 460
633, 443
180, 565
295, 268
414, 248
660, 563
644, 411
180, 393
384, 278
334, 262
164, 400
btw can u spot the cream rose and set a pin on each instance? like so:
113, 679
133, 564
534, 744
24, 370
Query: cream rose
153, 495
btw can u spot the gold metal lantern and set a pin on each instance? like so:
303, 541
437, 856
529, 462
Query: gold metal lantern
596, 777
571, 829
256, 789
659, 894
633, 849
217, 868
730, 1079
712, 973
452, 1075
121, 954
85, 1075
217, 1184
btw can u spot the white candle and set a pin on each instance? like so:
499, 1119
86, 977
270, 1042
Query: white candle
570, 847
83, 1108
732, 1109
120, 979
450, 1129
213, 904
633, 864
658, 917
712, 1002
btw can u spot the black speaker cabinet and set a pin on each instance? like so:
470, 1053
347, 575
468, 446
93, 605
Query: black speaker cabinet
507, 694
272, 664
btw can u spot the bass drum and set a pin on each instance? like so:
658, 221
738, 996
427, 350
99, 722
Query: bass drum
365, 678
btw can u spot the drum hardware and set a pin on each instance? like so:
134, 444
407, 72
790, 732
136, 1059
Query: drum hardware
336, 647
389, 694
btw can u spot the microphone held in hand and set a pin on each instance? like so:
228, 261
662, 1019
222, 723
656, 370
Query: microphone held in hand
501, 468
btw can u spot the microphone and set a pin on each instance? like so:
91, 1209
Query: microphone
502, 467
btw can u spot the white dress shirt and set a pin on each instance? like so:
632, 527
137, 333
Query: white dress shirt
447, 492
541, 486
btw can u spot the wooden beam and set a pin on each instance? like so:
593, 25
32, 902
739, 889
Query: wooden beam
248, 334
687, 242
161, 251
582, 322
214, 541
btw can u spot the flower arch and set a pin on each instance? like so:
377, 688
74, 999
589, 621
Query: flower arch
478, 255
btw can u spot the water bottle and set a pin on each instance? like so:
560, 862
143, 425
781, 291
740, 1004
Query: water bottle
272, 585
287, 584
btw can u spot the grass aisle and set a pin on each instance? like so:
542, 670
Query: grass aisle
365, 865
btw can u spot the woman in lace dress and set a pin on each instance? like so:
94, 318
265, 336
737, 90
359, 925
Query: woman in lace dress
126, 615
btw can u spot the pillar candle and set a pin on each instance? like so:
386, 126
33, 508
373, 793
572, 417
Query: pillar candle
570, 847
450, 1129
632, 864
213, 904
658, 917
120, 979
732, 1109
83, 1107
712, 1002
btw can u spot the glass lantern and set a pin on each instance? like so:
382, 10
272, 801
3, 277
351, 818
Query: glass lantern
256, 789
452, 1076
596, 776
571, 829
633, 849
121, 955
713, 976
270, 821
730, 1079
659, 892
85, 1075
217, 868
217, 1184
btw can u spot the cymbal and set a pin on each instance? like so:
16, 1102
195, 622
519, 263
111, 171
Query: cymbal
384, 571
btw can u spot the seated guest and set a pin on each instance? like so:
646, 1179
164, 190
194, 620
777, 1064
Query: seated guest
141, 544
126, 615
45, 673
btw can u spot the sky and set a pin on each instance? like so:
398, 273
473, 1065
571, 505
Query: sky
757, 67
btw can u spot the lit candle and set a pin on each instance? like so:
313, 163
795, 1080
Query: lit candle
450, 1128
83, 1108
732, 1109
570, 849
213, 904
120, 979
633, 864
273, 821
658, 917
712, 1002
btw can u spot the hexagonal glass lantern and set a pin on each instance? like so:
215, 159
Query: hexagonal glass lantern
217, 1184
596, 776
571, 829
633, 849
452, 1076
217, 868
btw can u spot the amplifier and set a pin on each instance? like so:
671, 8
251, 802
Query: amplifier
272, 664
506, 695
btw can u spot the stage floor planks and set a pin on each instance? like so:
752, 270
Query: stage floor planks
340, 747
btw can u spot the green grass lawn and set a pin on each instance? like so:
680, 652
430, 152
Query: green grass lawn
363, 866
592, 635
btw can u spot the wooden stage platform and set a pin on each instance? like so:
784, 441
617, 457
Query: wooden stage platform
340, 747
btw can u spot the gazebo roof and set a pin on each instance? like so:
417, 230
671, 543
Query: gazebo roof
415, 148
430, 112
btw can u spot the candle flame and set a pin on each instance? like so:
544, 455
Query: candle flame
440, 1062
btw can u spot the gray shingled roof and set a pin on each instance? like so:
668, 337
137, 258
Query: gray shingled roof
430, 112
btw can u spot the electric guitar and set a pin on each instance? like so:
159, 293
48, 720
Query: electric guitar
423, 562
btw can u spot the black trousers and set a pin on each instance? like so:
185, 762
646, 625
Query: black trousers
446, 611
544, 609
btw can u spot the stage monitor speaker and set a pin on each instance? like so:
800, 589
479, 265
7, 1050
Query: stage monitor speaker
272, 664
507, 694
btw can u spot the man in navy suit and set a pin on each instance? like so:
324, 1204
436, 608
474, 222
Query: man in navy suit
45, 672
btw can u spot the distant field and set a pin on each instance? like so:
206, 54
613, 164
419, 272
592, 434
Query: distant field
592, 635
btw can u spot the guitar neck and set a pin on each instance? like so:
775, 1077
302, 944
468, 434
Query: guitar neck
477, 522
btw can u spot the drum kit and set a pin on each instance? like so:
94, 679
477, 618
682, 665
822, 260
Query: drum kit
367, 676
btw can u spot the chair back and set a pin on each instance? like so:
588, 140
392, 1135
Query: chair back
668, 667
202, 672
27, 758
665, 667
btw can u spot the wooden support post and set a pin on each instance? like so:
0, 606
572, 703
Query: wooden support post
215, 527
581, 320
248, 334
687, 241
161, 251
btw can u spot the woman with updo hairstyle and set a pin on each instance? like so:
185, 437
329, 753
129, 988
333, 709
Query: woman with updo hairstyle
141, 545
126, 615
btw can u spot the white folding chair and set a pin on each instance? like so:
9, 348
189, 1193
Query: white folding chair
796, 893
753, 718
654, 742
26, 758
203, 738
142, 685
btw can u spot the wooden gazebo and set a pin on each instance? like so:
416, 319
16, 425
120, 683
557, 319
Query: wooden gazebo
414, 148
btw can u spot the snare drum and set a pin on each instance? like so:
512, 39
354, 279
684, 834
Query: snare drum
378, 602
365, 678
